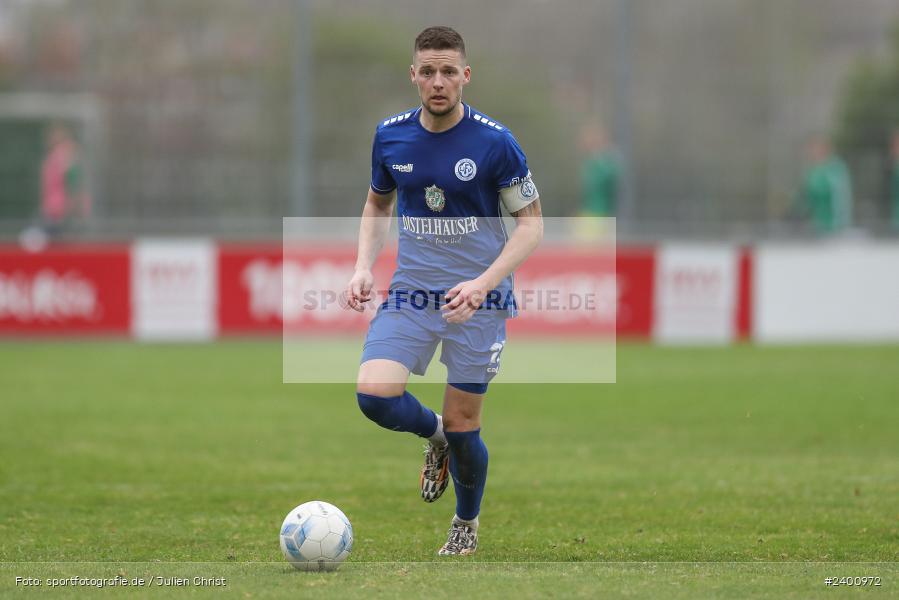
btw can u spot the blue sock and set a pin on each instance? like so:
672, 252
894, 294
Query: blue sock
400, 413
468, 466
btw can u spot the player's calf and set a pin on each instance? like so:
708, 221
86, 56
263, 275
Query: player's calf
468, 467
406, 413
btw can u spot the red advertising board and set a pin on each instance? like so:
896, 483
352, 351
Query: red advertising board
61, 291
249, 288
635, 268
88, 290
264, 288
561, 290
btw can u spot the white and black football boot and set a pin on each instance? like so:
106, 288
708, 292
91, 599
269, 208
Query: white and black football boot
461, 540
435, 472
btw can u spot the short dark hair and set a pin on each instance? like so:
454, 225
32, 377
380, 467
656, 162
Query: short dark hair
440, 38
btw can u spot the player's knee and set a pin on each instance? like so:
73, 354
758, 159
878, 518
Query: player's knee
377, 399
386, 411
373, 406
461, 418
463, 413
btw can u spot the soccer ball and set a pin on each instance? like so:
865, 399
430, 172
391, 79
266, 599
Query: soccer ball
316, 536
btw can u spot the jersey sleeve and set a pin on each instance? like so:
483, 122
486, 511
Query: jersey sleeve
511, 165
381, 178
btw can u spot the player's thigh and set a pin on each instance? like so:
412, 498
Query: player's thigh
472, 350
400, 341
382, 377
461, 409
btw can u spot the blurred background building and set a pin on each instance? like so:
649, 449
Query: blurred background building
220, 117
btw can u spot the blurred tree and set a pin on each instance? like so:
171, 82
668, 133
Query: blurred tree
867, 116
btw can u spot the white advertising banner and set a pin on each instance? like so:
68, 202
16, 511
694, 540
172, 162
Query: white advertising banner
696, 294
174, 290
827, 292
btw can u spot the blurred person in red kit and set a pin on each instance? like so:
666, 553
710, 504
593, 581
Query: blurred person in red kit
63, 192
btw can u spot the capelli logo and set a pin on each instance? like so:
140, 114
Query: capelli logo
406, 168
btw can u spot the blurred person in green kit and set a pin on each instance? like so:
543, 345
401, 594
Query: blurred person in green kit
825, 194
600, 173
600, 182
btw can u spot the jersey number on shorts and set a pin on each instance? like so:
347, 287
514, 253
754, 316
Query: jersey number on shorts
496, 349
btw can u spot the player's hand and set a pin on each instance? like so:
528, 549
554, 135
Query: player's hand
464, 300
358, 290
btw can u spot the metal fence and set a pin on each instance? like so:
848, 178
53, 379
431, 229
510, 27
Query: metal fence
222, 116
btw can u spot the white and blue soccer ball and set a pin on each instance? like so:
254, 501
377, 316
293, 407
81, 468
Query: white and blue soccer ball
316, 536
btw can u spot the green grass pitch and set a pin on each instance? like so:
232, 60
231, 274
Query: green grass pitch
704, 472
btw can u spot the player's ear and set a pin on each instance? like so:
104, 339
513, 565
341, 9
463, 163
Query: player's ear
412, 73
466, 73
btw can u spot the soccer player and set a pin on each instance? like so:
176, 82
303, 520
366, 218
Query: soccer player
445, 167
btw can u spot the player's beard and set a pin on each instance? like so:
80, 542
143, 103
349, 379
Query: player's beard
450, 108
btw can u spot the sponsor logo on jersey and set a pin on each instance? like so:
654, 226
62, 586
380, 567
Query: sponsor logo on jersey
440, 225
434, 198
466, 169
406, 168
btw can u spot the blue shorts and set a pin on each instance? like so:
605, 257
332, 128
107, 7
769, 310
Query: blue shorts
408, 335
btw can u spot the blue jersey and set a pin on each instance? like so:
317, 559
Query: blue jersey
448, 184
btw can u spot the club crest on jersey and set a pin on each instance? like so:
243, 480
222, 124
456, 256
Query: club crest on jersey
527, 190
434, 198
466, 169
